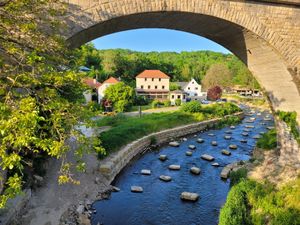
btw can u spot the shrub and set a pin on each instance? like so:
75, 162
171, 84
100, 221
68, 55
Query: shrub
156, 104
178, 102
140, 100
214, 93
167, 103
191, 107
290, 118
268, 140
237, 176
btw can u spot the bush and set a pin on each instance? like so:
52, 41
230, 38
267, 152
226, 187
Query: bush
178, 102
290, 118
268, 140
191, 107
140, 100
237, 176
156, 104
214, 93
167, 103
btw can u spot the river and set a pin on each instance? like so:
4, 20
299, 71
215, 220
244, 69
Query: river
160, 202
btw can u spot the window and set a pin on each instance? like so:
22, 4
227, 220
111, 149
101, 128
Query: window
183, 96
152, 79
189, 88
142, 86
145, 79
159, 79
149, 87
178, 96
163, 87
193, 82
196, 88
155, 86
173, 96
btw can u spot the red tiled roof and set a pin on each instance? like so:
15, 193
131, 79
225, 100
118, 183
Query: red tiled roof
153, 74
92, 82
111, 80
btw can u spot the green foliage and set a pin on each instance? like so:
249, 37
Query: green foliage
191, 107
40, 92
140, 100
250, 202
121, 96
174, 86
167, 103
156, 104
268, 140
217, 75
237, 176
290, 118
178, 102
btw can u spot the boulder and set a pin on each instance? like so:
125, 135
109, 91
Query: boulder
227, 137
214, 143
83, 219
207, 157
174, 167
189, 196
232, 127
189, 153
184, 139
165, 178
174, 144
163, 157
146, 172
225, 172
193, 147
80, 209
233, 146
225, 152
136, 189
215, 164
200, 140
195, 170
270, 127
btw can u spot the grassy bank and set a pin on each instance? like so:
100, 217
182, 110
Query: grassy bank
258, 102
253, 203
127, 129
268, 140
290, 118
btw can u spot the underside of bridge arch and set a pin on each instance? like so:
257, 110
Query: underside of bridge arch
266, 64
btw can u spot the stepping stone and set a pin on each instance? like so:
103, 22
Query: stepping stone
189, 153
245, 134
115, 189
227, 137
246, 130
215, 164
200, 140
252, 118
259, 114
195, 135
256, 137
189, 196
207, 157
225, 172
270, 128
146, 172
249, 126
267, 119
174, 167
163, 157
211, 134
195, 170
232, 127
193, 147
174, 144
214, 143
244, 141
136, 189
165, 178
228, 132
249, 121
261, 133
184, 139
225, 152
232, 146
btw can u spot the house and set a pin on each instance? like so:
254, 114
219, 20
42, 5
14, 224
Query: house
101, 90
97, 90
242, 91
153, 84
177, 94
193, 90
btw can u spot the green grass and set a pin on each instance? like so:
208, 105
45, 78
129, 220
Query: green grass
127, 129
136, 108
290, 118
250, 202
268, 140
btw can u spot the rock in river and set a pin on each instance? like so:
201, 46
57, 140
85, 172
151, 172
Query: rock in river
214, 143
165, 178
245, 134
193, 147
137, 189
184, 139
207, 157
232, 127
189, 153
146, 172
256, 136
232, 146
225, 152
200, 140
195, 170
189, 196
174, 167
215, 164
244, 141
163, 157
211, 134
174, 144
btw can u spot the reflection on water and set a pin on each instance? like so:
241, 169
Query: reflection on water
160, 202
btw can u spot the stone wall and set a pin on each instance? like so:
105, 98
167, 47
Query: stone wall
111, 166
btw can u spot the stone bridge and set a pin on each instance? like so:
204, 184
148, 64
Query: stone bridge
264, 34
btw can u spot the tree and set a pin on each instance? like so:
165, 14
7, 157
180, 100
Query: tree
214, 93
40, 92
121, 96
174, 86
218, 74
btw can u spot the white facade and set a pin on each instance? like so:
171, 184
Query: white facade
101, 91
194, 90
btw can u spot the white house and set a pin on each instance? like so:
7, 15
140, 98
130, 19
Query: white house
101, 89
193, 90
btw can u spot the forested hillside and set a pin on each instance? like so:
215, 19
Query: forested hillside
207, 67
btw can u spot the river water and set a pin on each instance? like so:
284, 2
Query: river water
160, 202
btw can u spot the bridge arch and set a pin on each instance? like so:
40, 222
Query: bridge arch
243, 28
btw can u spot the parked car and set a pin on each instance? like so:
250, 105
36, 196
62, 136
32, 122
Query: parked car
205, 102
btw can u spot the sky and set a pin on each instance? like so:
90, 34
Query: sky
160, 40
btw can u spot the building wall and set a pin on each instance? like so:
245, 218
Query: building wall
87, 96
101, 91
152, 82
177, 96
193, 89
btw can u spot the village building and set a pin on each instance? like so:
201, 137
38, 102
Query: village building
153, 84
246, 92
101, 90
193, 90
177, 94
